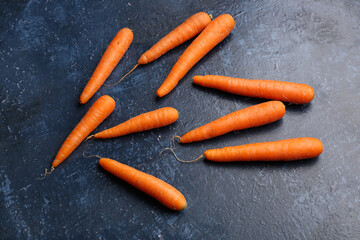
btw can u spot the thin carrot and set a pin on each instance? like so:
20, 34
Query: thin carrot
185, 31
97, 113
253, 116
283, 150
156, 188
269, 89
213, 34
146, 121
114, 52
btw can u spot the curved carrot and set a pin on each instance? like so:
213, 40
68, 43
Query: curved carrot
114, 52
253, 116
156, 188
269, 89
283, 150
146, 121
97, 113
187, 30
213, 34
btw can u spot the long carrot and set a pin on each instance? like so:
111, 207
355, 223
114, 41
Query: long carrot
283, 150
97, 113
253, 116
156, 188
185, 31
114, 52
213, 34
146, 121
269, 89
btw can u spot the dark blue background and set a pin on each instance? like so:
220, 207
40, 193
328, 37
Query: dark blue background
48, 51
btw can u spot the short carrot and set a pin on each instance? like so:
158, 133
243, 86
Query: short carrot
276, 90
156, 188
283, 150
97, 113
114, 52
253, 116
146, 121
213, 34
185, 31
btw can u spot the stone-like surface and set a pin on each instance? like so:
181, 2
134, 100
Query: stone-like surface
48, 51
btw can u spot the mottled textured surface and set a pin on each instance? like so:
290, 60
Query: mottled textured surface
48, 50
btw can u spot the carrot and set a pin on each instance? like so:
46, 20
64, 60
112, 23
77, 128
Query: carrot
114, 52
253, 116
146, 121
269, 89
156, 188
97, 113
187, 30
213, 34
283, 150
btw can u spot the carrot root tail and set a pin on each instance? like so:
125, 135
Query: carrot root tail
112, 85
171, 149
90, 137
47, 173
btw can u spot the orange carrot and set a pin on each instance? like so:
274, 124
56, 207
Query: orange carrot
187, 30
283, 150
253, 116
156, 188
114, 52
146, 121
213, 34
269, 89
97, 113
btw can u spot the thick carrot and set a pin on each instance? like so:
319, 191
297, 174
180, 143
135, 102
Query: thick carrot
114, 52
156, 188
213, 34
146, 121
269, 89
187, 30
253, 116
97, 113
283, 150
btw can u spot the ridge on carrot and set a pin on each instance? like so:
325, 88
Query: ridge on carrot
249, 117
185, 31
154, 187
146, 121
212, 35
282, 150
270, 89
111, 57
97, 113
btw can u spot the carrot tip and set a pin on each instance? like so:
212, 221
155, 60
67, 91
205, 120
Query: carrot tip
47, 173
90, 137
107, 85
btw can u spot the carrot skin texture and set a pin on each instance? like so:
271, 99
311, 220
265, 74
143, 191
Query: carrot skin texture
213, 34
156, 188
253, 116
283, 150
113, 54
187, 30
269, 89
97, 113
146, 121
